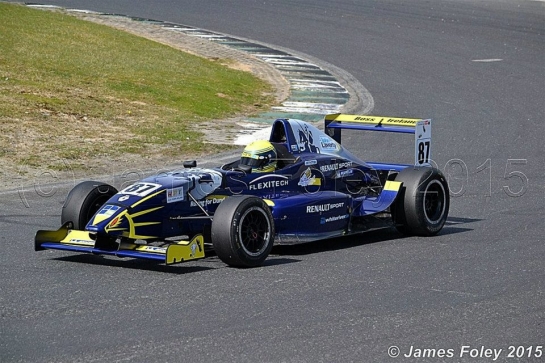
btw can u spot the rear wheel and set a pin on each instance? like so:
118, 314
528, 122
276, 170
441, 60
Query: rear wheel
422, 205
243, 231
83, 201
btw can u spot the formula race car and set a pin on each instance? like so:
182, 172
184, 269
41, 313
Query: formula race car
300, 185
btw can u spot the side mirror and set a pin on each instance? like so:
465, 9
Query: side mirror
190, 164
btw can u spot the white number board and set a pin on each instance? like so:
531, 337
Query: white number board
422, 143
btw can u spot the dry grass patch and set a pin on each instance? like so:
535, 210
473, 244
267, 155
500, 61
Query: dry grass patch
74, 93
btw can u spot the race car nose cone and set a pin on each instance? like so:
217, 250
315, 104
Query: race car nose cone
110, 220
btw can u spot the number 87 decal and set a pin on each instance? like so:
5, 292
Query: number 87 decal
422, 143
140, 189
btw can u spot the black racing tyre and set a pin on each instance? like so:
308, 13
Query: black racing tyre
83, 201
243, 231
422, 205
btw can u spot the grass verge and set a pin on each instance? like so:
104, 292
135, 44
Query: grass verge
74, 92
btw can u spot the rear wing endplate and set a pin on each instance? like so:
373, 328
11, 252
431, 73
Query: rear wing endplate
421, 128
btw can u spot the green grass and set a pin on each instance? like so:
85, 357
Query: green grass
71, 89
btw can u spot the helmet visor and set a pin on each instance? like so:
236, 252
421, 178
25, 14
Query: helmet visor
254, 163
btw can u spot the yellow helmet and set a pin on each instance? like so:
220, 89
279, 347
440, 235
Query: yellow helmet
260, 155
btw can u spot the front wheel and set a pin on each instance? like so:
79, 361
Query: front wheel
83, 201
422, 206
243, 231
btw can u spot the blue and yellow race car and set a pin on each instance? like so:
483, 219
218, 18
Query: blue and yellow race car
300, 185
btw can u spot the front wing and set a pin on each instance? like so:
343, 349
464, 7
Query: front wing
67, 239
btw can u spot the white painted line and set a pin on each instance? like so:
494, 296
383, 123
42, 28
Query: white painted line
314, 81
83, 11
310, 105
208, 36
320, 89
197, 36
288, 62
177, 28
312, 111
487, 60
313, 84
43, 6
272, 56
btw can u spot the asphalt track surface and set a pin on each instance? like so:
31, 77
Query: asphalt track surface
477, 68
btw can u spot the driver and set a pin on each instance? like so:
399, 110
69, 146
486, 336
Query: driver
260, 155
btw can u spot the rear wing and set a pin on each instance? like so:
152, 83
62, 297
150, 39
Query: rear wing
421, 128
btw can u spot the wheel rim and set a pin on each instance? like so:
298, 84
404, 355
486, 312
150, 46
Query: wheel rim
434, 202
254, 232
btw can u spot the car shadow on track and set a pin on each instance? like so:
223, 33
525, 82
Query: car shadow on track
453, 225
339, 243
211, 262
279, 254
137, 264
